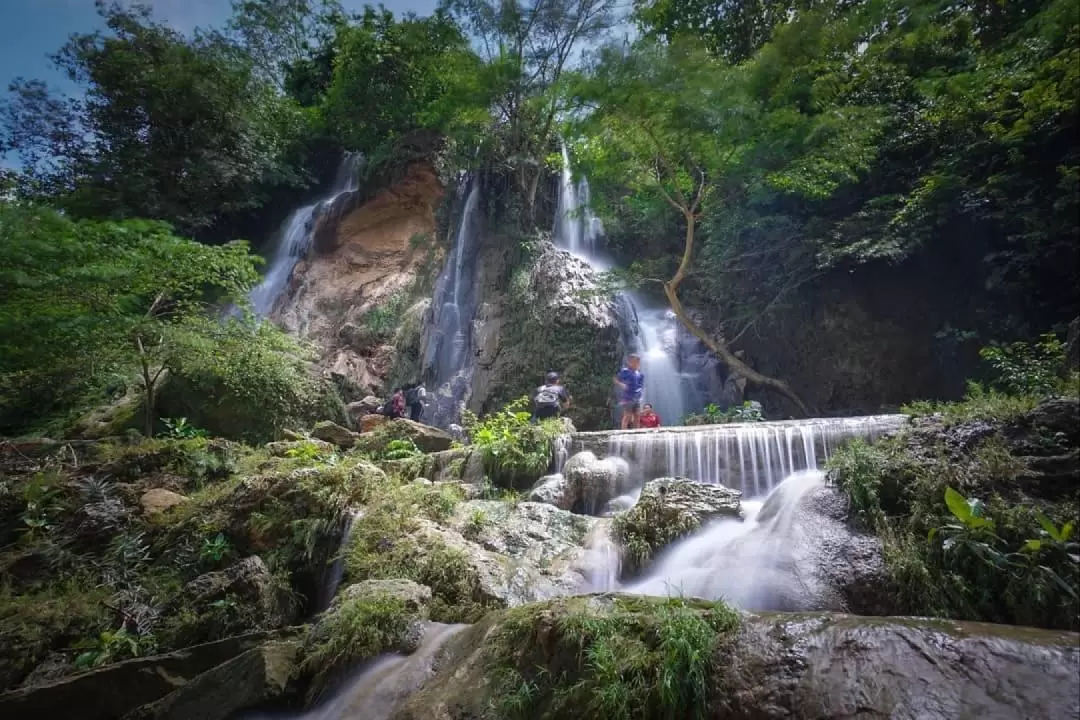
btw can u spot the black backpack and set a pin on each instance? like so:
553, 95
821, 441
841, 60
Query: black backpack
411, 396
547, 396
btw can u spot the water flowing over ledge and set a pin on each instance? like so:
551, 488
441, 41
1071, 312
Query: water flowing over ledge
752, 457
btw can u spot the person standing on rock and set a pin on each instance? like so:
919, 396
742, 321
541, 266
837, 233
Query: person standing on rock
631, 384
414, 399
551, 398
649, 418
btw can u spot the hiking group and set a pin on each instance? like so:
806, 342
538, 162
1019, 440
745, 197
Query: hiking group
405, 399
552, 397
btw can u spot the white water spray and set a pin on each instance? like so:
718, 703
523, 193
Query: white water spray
294, 236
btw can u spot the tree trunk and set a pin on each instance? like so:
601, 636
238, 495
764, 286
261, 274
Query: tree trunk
719, 347
530, 199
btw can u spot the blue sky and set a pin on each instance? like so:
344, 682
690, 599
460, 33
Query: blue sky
31, 30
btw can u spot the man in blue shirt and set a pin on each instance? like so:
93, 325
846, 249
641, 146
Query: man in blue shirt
631, 384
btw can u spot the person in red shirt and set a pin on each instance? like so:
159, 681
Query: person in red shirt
648, 418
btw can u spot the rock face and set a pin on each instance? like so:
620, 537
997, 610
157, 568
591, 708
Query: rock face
594, 482
800, 666
368, 250
547, 320
414, 595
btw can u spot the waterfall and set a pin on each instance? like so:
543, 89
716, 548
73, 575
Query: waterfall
753, 564
448, 357
647, 330
379, 687
294, 236
336, 569
752, 457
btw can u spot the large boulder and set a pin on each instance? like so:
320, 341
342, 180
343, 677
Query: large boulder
555, 490
158, 500
334, 434
596, 481
769, 667
414, 597
703, 502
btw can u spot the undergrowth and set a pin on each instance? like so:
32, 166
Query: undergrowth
897, 489
515, 450
648, 528
618, 659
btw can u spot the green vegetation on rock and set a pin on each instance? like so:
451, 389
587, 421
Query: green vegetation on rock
516, 451
613, 657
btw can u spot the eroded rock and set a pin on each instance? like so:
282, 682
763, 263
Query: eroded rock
334, 434
249, 581
704, 502
555, 490
596, 481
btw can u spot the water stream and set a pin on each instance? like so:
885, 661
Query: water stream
294, 236
448, 355
376, 689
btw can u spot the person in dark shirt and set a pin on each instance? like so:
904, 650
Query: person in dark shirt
631, 384
648, 418
551, 398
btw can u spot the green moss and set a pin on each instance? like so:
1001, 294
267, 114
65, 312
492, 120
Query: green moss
359, 629
48, 619
385, 544
612, 658
647, 528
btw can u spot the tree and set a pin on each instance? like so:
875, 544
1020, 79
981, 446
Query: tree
673, 125
391, 77
279, 34
86, 300
169, 128
528, 46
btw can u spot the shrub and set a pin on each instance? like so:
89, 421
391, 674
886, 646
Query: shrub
514, 449
1022, 368
749, 411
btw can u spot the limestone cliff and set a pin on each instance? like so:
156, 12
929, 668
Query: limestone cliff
368, 253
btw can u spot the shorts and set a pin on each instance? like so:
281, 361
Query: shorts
546, 412
631, 405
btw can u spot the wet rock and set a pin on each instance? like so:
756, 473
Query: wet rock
248, 581
555, 490
703, 502
596, 481
114, 690
251, 678
159, 500
334, 434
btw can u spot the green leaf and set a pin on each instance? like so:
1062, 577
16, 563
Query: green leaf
1049, 526
1032, 546
958, 505
1066, 531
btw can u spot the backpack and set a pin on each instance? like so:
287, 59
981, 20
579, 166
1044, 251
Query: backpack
547, 396
412, 396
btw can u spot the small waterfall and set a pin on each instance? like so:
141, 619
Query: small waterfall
294, 236
664, 386
752, 457
337, 568
753, 564
448, 356
377, 689
602, 560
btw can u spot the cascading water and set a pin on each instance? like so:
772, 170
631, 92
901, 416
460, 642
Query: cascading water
336, 569
448, 357
752, 457
649, 331
754, 564
380, 686
294, 236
